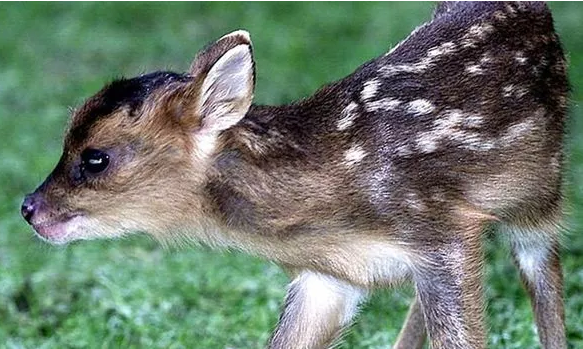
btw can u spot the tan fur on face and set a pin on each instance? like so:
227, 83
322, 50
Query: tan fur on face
159, 148
150, 176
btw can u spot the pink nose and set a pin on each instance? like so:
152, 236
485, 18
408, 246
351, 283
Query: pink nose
29, 207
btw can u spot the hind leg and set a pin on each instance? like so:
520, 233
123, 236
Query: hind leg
449, 288
536, 254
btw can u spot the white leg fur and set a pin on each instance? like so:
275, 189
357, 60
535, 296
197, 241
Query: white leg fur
536, 253
531, 248
317, 308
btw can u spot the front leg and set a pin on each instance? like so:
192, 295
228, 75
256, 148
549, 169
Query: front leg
412, 334
317, 308
449, 287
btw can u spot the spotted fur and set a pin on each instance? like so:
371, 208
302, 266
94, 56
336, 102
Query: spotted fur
387, 175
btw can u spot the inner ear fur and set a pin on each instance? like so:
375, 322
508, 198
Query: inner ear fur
224, 81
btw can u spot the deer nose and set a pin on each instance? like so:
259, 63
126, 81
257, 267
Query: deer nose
29, 207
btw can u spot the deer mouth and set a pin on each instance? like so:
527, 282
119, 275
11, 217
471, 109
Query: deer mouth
58, 231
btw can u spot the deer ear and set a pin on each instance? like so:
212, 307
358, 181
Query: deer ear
225, 76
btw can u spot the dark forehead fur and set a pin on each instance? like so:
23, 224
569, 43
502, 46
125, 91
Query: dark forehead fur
128, 93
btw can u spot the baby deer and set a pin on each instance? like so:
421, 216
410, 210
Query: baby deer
388, 175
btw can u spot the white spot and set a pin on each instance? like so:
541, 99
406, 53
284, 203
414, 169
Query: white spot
354, 155
420, 107
412, 200
518, 131
476, 33
531, 248
370, 89
473, 120
480, 30
425, 63
514, 91
510, 8
443, 49
519, 57
347, 117
486, 58
467, 42
382, 104
320, 296
499, 15
474, 69
471, 141
422, 65
390, 70
449, 119
444, 126
404, 150
507, 90
427, 142
450, 125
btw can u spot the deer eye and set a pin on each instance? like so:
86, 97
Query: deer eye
94, 161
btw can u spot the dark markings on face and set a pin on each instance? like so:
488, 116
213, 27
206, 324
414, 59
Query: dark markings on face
130, 93
133, 92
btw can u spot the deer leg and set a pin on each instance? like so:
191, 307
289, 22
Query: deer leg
449, 288
536, 253
412, 334
317, 308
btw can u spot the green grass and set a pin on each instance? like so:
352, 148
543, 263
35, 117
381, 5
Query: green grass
133, 294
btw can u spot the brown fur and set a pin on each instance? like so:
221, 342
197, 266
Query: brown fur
389, 174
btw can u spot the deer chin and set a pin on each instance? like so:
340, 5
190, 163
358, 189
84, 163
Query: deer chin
63, 230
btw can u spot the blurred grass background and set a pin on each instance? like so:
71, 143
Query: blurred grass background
133, 294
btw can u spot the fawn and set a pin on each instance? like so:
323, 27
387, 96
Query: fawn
388, 175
